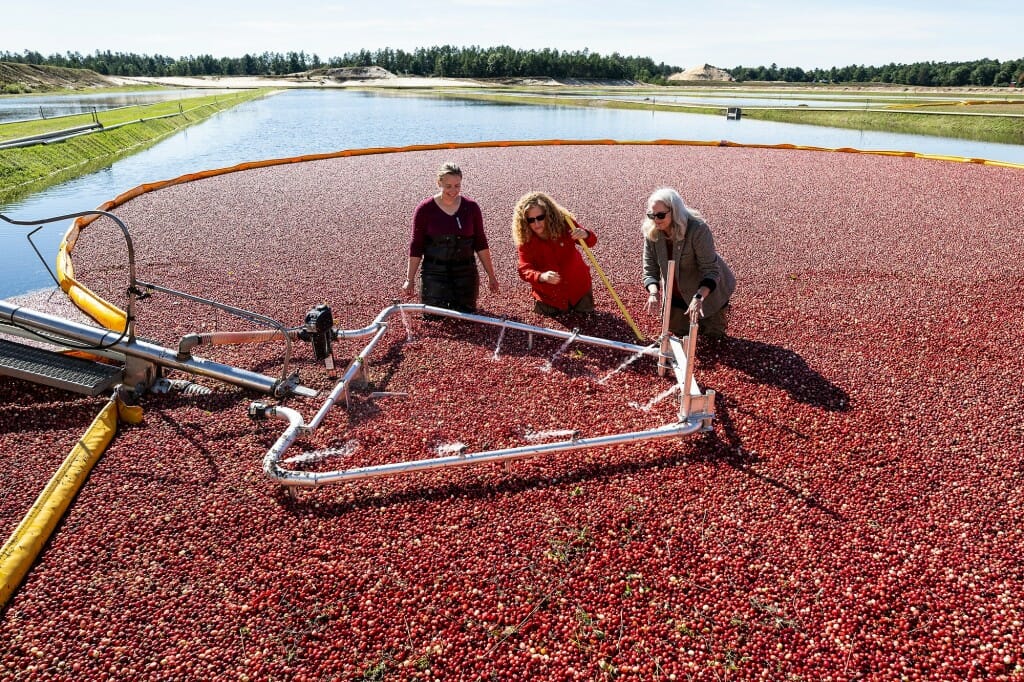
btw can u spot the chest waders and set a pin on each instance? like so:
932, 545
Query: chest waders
448, 273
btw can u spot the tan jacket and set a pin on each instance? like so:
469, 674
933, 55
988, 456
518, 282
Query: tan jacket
696, 259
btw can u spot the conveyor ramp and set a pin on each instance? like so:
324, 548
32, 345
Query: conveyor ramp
47, 367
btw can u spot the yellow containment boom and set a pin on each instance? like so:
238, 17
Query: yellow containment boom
24, 545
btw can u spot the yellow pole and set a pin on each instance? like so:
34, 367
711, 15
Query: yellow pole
608, 284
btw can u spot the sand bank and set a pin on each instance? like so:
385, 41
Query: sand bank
284, 82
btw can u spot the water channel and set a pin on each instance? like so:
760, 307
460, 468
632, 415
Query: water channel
315, 121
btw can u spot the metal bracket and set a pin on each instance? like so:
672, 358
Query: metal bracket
292, 385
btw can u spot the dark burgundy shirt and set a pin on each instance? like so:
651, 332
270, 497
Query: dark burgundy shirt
430, 220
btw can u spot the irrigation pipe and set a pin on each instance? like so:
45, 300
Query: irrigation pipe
690, 421
67, 134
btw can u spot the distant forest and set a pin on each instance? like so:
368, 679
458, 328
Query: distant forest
506, 62
445, 61
983, 72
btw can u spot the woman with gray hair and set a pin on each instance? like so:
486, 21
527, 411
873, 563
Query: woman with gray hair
703, 281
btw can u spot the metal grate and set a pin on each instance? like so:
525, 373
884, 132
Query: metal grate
49, 368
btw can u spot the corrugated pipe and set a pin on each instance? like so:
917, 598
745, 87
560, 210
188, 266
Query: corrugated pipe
190, 341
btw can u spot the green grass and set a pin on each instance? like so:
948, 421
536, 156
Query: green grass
981, 128
28, 169
113, 89
191, 106
986, 123
594, 102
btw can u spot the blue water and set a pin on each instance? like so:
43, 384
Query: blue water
316, 121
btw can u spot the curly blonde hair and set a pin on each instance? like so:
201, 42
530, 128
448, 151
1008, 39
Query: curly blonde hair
556, 223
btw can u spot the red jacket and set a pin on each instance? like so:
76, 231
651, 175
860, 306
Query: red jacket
561, 255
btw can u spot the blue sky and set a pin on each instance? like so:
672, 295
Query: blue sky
724, 33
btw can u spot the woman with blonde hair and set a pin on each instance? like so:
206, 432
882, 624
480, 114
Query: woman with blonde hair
703, 281
545, 235
447, 230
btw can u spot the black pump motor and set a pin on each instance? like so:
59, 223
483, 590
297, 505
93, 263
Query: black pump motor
318, 330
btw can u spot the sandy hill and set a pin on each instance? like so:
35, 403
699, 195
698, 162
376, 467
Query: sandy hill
705, 72
16, 77
346, 73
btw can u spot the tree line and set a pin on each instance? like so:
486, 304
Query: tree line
981, 72
442, 61
506, 62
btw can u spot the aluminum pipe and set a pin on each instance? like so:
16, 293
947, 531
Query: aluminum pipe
311, 479
87, 335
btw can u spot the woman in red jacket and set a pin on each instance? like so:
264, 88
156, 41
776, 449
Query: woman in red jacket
549, 261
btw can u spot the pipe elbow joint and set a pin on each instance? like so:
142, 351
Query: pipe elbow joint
258, 411
186, 345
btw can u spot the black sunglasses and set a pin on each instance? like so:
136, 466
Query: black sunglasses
659, 215
536, 219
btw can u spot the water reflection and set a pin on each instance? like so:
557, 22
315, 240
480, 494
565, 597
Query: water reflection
300, 122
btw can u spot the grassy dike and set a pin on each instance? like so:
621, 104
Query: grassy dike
978, 127
24, 170
981, 126
593, 100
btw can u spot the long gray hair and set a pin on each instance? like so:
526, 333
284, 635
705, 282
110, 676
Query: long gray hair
681, 213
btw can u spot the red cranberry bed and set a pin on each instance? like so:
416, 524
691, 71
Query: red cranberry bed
856, 514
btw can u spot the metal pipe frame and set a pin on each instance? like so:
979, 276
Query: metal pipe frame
311, 479
184, 348
20, 316
668, 285
688, 423
523, 327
